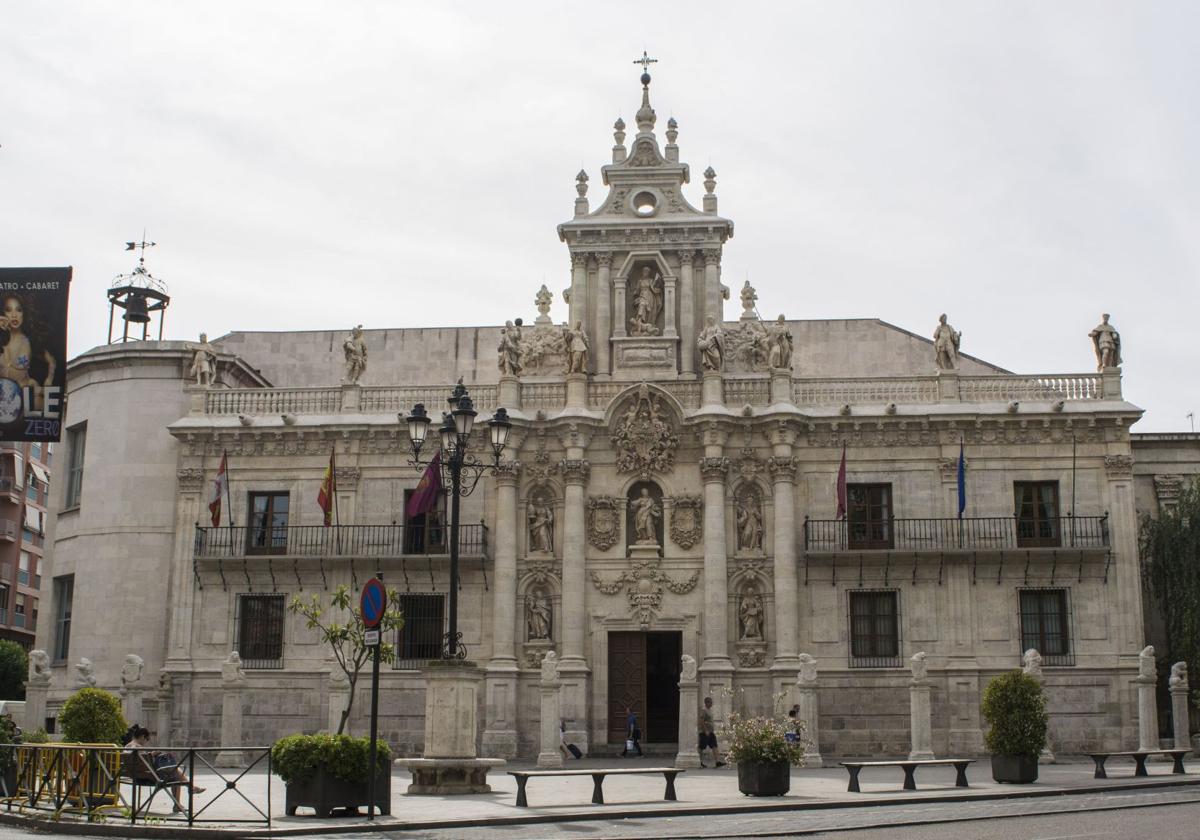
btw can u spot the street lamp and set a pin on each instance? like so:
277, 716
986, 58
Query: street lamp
454, 437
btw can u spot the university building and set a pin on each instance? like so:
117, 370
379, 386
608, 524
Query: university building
670, 487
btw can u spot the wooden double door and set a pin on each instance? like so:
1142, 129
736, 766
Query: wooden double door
643, 675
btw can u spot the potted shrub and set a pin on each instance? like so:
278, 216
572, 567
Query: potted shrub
92, 716
325, 772
1015, 709
765, 749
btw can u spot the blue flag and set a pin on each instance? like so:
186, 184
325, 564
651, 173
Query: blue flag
962, 481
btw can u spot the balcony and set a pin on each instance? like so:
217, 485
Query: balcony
347, 541
9, 530
975, 534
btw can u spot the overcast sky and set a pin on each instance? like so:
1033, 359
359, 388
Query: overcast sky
1020, 166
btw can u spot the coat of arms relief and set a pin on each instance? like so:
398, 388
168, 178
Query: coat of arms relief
643, 584
643, 436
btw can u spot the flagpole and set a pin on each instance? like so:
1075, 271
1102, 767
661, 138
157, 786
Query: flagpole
962, 489
228, 492
1072, 489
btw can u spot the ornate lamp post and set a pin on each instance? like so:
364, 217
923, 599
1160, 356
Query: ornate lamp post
460, 473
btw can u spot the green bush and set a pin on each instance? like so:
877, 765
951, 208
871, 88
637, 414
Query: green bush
295, 758
92, 716
37, 736
764, 739
14, 666
1015, 708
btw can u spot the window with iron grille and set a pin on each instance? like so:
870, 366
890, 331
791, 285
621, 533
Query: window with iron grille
875, 628
1046, 625
869, 515
1037, 513
76, 440
268, 530
64, 595
259, 620
420, 639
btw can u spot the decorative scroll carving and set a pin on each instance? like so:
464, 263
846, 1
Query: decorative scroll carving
189, 478
575, 469
687, 523
508, 470
758, 567
643, 436
604, 521
748, 466
643, 584
714, 469
1118, 466
347, 477
782, 468
1168, 488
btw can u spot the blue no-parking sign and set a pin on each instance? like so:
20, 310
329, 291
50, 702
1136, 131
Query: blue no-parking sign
373, 603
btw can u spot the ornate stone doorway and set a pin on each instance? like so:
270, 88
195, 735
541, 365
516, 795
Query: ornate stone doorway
643, 674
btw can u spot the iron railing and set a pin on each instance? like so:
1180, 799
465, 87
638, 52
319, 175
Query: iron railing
337, 541
980, 533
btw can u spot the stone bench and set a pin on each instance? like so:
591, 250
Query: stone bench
1139, 757
909, 767
523, 777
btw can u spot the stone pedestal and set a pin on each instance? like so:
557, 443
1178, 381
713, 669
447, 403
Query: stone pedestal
131, 703
350, 396
947, 381
35, 704
689, 712
806, 698
1147, 713
781, 387
920, 720
1180, 722
162, 711
712, 388
640, 551
231, 727
576, 390
573, 701
509, 392
1110, 383
550, 755
339, 699
500, 737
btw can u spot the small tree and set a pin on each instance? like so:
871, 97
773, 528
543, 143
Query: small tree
1015, 708
92, 716
14, 665
347, 641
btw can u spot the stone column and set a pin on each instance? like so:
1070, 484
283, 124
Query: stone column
1126, 607
669, 284
1180, 698
339, 697
578, 305
713, 469
806, 697
189, 483
687, 312
618, 308
689, 708
37, 686
920, 710
1147, 707
1032, 666
787, 610
500, 728
573, 669
550, 754
233, 687
600, 342
162, 712
712, 284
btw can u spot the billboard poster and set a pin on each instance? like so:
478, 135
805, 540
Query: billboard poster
33, 352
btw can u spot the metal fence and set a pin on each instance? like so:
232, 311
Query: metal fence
949, 534
337, 540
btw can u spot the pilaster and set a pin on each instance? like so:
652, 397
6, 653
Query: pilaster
713, 470
573, 669
500, 681
712, 283
687, 312
579, 291
602, 345
782, 466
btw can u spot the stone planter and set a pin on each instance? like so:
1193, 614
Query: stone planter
1014, 769
323, 792
758, 778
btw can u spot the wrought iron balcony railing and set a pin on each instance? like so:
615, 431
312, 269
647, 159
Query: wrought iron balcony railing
979, 533
336, 541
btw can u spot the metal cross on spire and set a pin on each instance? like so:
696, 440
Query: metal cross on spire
645, 61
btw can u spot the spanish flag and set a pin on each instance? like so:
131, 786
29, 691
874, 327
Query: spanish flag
327, 497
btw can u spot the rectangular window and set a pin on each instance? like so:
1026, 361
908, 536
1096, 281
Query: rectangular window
4, 603
425, 533
31, 490
76, 443
19, 611
420, 639
23, 568
869, 515
874, 629
259, 621
33, 615
268, 524
64, 594
1045, 625
35, 451
1037, 514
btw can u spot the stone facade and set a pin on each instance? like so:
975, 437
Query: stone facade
645, 501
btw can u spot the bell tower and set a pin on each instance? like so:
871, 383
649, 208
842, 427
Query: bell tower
645, 264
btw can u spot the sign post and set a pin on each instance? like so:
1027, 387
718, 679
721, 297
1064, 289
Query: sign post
372, 606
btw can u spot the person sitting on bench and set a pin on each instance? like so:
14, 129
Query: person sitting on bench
165, 766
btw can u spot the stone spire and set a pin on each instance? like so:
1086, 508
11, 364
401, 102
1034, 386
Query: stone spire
645, 116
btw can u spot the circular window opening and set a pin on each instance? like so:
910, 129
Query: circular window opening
645, 203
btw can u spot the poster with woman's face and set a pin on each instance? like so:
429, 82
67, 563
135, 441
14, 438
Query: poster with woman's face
33, 352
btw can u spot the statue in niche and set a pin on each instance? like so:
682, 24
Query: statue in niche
647, 513
1106, 341
576, 343
946, 341
204, 361
749, 523
751, 614
711, 344
355, 350
647, 303
537, 616
781, 345
508, 353
541, 526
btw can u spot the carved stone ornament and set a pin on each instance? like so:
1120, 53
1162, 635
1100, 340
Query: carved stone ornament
347, 477
574, 469
748, 466
644, 154
85, 673
643, 436
643, 584
714, 469
190, 478
1118, 466
948, 467
231, 670
604, 521
131, 670
751, 566
752, 655
39, 667
539, 574
783, 468
747, 347
687, 522
1168, 488
687, 668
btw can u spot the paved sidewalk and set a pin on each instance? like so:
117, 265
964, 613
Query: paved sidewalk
569, 798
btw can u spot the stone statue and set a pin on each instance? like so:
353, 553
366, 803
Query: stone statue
576, 343
355, 350
781, 344
541, 527
85, 673
550, 667
39, 667
748, 296
509, 352
164, 684
646, 514
1106, 341
131, 671
537, 616
711, 343
749, 523
946, 341
687, 668
920, 669
1031, 664
647, 303
1179, 675
231, 669
808, 670
543, 299
204, 361
751, 615
1146, 663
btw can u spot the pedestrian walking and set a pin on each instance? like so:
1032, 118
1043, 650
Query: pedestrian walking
708, 735
633, 735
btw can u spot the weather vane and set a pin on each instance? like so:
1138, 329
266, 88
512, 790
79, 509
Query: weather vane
142, 246
645, 61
